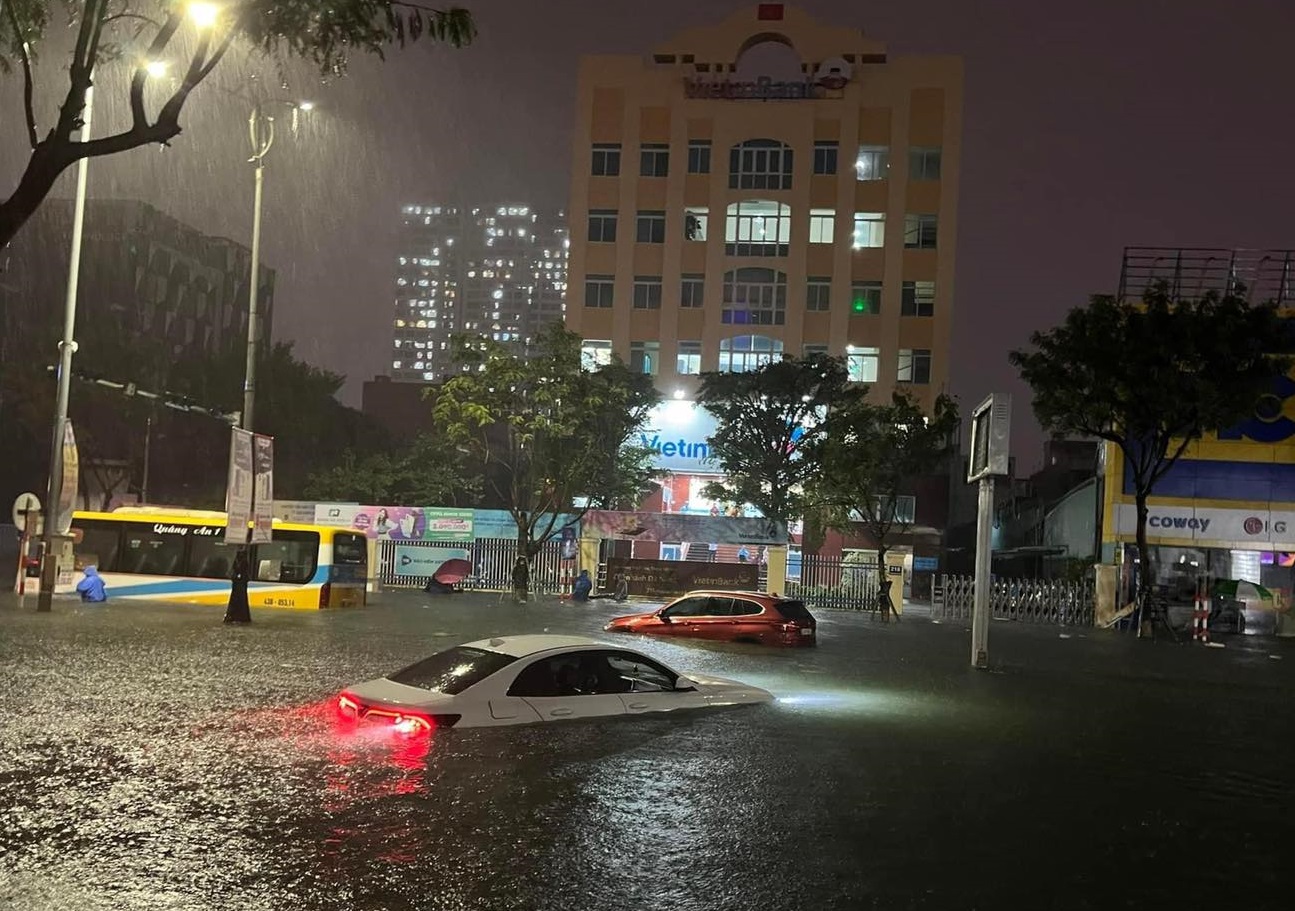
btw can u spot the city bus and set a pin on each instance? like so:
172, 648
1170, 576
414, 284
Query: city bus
154, 553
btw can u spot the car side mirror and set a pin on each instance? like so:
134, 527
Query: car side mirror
664, 617
683, 683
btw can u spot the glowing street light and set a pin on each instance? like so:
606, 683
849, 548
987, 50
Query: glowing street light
306, 105
203, 14
156, 68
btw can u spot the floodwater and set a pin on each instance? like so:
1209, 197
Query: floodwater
151, 758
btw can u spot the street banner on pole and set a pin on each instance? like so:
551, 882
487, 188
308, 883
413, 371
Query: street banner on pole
71, 481
263, 488
238, 495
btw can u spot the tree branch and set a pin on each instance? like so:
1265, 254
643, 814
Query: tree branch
26, 75
140, 77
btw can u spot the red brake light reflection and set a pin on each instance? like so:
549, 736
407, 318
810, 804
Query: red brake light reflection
401, 722
348, 707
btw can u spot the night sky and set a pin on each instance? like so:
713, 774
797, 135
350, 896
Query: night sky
1089, 126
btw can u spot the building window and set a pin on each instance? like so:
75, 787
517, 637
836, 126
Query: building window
905, 508
695, 222
924, 163
654, 159
760, 164
757, 227
649, 227
692, 291
872, 163
818, 293
861, 364
918, 299
647, 292
744, 353
822, 226
595, 353
602, 226
598, 291
869, 229
914, 366
644, 357
698, 156
815, 351
688, 359
606, 159
755, 297
920, 231
865, 297
825, 154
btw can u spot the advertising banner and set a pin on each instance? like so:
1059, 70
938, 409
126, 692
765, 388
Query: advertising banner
499, 523
238, 493
661, 526
399, 523
71, 480
1209, 526
448, 524
668, 578
413, 560
263, 490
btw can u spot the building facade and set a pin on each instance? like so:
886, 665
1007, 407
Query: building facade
498, 272
765, 186
144, 275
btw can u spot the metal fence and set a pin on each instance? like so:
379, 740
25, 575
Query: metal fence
1025, 600
492, 565
835, 583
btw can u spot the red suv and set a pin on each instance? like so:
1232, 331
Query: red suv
727, 616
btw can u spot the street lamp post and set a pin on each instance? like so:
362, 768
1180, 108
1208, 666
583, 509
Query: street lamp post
66, 348
260, 130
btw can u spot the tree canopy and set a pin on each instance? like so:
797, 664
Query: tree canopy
143, 32
544, 431
430, 471
769, 422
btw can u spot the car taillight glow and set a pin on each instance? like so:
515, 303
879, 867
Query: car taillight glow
347, 706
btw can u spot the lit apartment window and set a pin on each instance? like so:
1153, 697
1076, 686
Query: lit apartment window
688, 359
698, 156
595, 353
861, 364
754, 297
757, 227
606, 159
602, 226
815, 351
869, 229
914, 366
825, 154
818, 293
924, 163
598, 291
865, 297
692, 291
760, 164
647, 292
695, 222
644, 357
744, 353
649, 228
654, 159
920, 231
918, 299
822, 226
872, 163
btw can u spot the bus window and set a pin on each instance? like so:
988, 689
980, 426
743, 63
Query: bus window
291, 557
350, 550
98, 546
210, 557
151, 552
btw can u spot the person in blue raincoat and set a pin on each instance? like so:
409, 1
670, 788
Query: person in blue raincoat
583, 586
91, 587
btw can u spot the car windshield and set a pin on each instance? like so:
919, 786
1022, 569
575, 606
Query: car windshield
452, 671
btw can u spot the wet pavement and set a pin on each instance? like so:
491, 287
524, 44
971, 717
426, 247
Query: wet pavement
152, 758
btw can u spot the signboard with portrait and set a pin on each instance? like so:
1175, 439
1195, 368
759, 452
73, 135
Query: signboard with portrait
668, 578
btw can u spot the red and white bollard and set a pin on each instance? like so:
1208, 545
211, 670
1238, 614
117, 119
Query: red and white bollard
1201, 618
566, 580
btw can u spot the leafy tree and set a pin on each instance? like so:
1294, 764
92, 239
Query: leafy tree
769, 421
1151, 378
870, 458
140, 31
428, 472
544, 430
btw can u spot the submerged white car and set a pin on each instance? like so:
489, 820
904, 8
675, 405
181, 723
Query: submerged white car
528, 679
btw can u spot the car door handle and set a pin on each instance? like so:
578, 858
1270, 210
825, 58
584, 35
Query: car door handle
639, 705
560, 712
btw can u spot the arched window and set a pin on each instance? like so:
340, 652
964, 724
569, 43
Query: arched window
744, 353
757, 227
755, 297
760, 164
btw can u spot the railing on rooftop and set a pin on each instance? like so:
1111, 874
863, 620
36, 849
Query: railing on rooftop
1190, 272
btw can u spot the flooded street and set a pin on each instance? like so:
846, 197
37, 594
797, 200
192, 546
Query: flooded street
152, 758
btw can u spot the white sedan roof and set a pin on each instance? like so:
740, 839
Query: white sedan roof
521, 646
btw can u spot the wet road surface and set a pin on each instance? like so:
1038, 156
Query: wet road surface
152, 758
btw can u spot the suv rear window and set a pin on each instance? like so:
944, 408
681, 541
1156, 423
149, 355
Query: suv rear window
794, 610
453, 671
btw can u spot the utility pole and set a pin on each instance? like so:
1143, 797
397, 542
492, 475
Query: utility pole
261, 133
